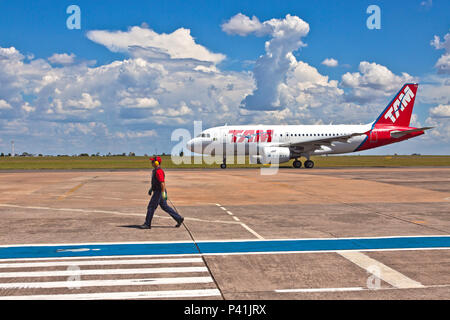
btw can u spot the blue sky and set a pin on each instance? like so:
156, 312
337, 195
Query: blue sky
50, 114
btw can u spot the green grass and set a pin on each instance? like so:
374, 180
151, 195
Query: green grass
119, 162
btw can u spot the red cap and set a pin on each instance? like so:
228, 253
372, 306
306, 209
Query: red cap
158, 158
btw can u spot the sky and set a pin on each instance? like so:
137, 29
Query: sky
137, 72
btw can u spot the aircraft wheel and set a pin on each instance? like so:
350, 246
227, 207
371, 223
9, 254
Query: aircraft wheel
309, 164
223, 166
297, 164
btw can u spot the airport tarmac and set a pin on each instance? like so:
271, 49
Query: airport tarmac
347, 233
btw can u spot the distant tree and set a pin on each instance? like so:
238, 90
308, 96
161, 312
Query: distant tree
2, 154
83, 155
132, 154
40, 155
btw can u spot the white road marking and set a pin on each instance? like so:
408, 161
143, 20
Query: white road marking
251, 231
387, 274
242, 224
63, 273
121, 295
311, 290
99, 262
315, 290
108, 212
104, 283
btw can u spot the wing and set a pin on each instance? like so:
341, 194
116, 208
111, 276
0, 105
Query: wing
315, 143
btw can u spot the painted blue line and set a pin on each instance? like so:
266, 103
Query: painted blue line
97, 250
216, 247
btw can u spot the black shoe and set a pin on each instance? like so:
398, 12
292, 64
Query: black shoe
179, 223
145, 226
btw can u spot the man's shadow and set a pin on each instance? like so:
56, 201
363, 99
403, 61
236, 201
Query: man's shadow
133, 226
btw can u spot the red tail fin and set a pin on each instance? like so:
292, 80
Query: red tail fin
399, 110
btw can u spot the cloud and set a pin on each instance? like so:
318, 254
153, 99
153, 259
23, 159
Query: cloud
443, 63
242, 25
441, 111
373, 80
270, 69
4, 104
330, 62
62, 58
427, 3
137, 134
178, 44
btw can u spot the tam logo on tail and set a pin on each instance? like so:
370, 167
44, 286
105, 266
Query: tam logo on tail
399, 111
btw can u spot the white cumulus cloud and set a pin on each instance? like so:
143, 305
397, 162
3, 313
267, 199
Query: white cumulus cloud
330, 62
178, 44
62, 58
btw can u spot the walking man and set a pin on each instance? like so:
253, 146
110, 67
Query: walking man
159, 196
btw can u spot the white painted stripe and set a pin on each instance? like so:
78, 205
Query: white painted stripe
386, 274
311, 290
218, 204
100, 257
236, 218
60, 273
230, 213
103, 211
104, 283
98, 262
223, 208
252, 231
121, 295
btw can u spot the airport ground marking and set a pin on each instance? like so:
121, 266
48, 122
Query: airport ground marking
121, 295
6, 205
350, 289
246, 227
224, 247
387, 274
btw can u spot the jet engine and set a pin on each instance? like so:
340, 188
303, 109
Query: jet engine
275, 155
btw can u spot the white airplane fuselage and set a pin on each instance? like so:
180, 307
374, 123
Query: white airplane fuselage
244, 139
281, 143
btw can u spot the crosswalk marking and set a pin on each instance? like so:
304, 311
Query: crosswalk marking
86, 272
105, 283
122, 295
112, 278
99, 262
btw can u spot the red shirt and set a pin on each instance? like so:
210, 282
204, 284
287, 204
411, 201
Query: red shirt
160, 174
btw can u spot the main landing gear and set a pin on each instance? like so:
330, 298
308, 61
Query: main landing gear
309, 164
298, 164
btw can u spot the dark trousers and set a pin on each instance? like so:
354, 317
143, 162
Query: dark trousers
156, 200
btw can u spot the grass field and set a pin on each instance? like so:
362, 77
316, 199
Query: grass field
119, 162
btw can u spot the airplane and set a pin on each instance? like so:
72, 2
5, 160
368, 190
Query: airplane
267, 144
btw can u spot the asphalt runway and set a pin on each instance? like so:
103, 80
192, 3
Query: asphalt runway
347, 233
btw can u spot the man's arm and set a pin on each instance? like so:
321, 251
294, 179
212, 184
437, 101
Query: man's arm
163, 187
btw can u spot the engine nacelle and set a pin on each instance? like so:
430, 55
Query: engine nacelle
275, 155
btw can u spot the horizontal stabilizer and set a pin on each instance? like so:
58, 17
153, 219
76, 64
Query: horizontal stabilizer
401, 133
